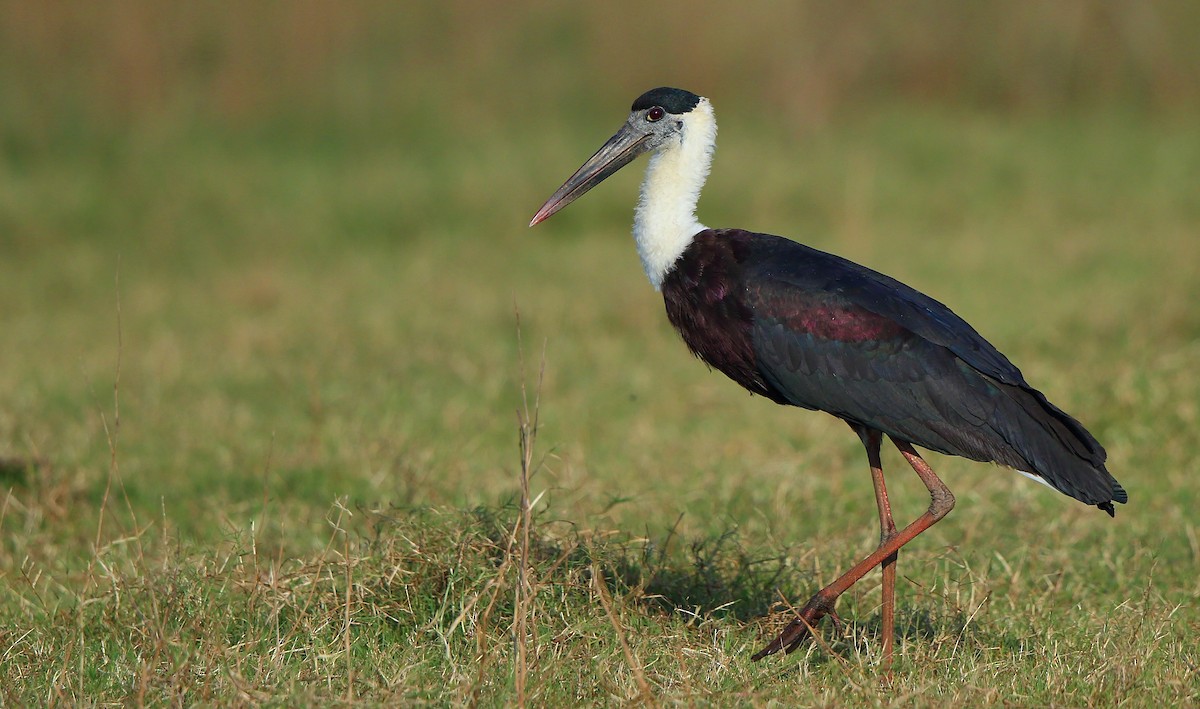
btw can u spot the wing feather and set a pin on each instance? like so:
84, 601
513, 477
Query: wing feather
835, 336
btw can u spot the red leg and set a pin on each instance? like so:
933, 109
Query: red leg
887, 530
821, 604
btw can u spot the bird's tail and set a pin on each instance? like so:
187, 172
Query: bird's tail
1046, 442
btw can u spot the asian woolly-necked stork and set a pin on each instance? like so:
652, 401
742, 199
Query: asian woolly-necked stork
805, 328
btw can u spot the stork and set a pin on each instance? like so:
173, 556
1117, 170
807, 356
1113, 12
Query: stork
805, 328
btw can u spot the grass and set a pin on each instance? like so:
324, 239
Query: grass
261, 364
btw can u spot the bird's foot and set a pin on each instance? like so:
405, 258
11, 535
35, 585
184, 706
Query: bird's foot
801, 628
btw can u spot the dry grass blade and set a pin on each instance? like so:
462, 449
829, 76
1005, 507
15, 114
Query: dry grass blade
348, 645
635, 666
527, 426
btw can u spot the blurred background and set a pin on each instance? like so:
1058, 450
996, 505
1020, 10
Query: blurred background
293, 234
74, 68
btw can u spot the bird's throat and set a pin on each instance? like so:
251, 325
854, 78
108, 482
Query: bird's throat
665, 221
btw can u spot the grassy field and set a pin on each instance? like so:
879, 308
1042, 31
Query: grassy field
263, 380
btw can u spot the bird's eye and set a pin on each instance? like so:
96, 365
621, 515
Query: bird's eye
655, 114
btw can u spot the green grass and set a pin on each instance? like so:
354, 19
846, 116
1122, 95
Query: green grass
258, 431
306, 404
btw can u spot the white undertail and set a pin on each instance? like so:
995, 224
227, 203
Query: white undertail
1035, 478
665, 221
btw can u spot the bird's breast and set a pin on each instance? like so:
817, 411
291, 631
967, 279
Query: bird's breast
705, 298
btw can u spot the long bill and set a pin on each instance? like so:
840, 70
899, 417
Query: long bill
620, 149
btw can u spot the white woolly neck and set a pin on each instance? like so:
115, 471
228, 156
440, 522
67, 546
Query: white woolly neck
665, 221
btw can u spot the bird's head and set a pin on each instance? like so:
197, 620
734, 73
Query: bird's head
657, 120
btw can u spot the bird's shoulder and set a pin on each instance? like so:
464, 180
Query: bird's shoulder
825, 295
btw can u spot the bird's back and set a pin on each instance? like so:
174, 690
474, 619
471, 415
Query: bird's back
810, 329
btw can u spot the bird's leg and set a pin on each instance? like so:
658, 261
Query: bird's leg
821, 604
887, 529
812, 612
872, 439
